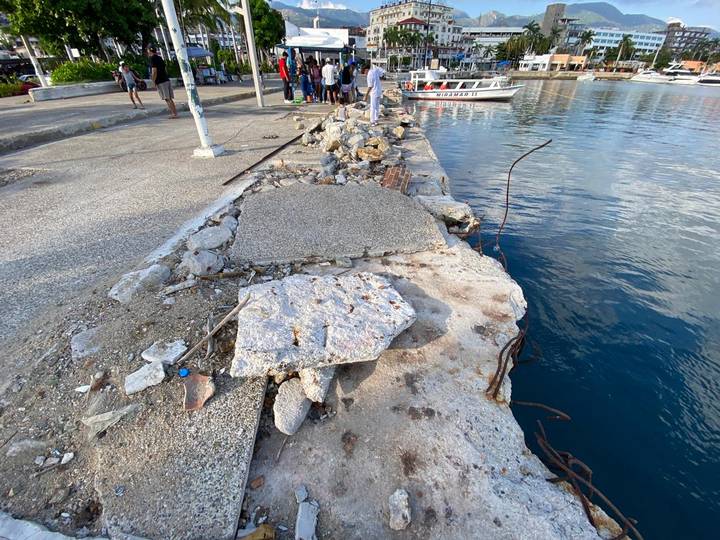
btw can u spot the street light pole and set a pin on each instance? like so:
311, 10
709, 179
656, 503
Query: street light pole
247, 19
34, 61
207, 148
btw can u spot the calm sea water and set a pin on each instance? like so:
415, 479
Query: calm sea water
614, 235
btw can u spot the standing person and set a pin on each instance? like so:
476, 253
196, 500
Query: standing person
374, 92
160, 79
305, 85
346, 81
316, 77
131, 81
329, 74
285, 76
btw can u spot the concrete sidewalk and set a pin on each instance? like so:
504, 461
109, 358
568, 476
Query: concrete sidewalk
23, 123
121, 190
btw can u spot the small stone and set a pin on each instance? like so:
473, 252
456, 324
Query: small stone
399, 132
134, 282
49, 462
257, 483
169, 301
84, 344
67, 458
340, 179
290, 407
84, 389
39, 460
301, 493
166, 352
148, 375
399, 510
209, 238
201, 263
299, 126
306, 520
24, 445
344, 262
230, 222
100, 422
316, 382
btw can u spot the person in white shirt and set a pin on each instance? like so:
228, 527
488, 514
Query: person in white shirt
374, 92
329, 76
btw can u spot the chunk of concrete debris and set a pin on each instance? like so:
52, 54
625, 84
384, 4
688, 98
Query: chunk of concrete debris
209, 238
172, 289
166, 352
134, 282
84, 343
101, 422
316, 382
457, 215
399, 132
306, 521
370, 154
230, 222
399, 510
24, 445
148, 375
67, 458
17, 528
305, 321
290, 407
198, 389
201, 263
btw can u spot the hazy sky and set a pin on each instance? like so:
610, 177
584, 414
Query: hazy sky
692, 12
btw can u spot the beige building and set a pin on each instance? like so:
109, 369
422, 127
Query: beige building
426, 16
553, 15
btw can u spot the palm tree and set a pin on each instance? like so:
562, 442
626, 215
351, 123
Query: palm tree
555, 34
586, 37
627, 47
532, 30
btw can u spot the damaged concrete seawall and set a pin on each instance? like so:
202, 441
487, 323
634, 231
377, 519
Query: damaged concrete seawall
418, 419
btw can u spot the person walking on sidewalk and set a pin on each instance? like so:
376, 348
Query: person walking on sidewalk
374, 92
285, 76
160, 79
131, 82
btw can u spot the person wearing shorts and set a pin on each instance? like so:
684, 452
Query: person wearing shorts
160, 79
131, 81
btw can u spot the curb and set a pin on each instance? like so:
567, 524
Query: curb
24, 140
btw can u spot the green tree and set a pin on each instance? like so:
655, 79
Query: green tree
268, 24
663, 60
586, 37
532, 31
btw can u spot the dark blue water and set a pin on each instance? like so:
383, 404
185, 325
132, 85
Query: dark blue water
614, 235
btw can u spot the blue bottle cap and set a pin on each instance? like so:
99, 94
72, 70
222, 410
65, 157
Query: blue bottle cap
184, 372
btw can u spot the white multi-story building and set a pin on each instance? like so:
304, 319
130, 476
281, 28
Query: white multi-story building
424, 17
489, 35
610, 38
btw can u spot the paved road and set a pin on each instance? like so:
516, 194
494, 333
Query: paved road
98, 203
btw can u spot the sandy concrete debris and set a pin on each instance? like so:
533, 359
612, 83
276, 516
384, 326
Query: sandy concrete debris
302, 222
85, 343
458, 216
11, 529
399, 504
201, 263
306, 520
149, 375
22, 446
310, 322
134, 282
100, 422
166, 352
316, 382
209, 238
291, 406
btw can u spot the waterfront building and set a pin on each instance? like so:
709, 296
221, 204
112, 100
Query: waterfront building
554, 13
610, 38
680, 38
437, 19
552, 62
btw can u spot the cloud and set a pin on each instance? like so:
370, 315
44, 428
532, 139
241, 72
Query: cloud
323, 4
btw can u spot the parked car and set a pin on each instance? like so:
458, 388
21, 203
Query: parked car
26, 86
28, 78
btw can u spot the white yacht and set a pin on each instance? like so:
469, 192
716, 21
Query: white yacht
680, 75
428, 84
710, 79
650, 76
587, 76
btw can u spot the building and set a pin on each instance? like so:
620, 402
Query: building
424, 17
610, 38
554, 13
489, 35
552, 62
680, 38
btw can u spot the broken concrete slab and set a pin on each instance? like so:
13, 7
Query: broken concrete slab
290, 407
316, 382
305, 321
306, 521
85, 343
198, 463
134, 282
304, 222
167, 352
100, 422
457, 215
148, 375
209, 238
399, 504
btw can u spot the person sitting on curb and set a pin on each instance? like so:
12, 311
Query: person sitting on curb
160, 79
131, 81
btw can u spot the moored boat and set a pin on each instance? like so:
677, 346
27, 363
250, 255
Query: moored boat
680, 75
427, 84
587, 76
710, 79
650, 76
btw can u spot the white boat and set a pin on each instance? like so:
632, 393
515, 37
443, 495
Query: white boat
680, 75
427, 84
650, 76
710, 79
587, 76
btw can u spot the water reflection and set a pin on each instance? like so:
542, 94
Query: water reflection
613, 235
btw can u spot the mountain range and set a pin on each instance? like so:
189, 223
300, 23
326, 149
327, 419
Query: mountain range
593, 14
